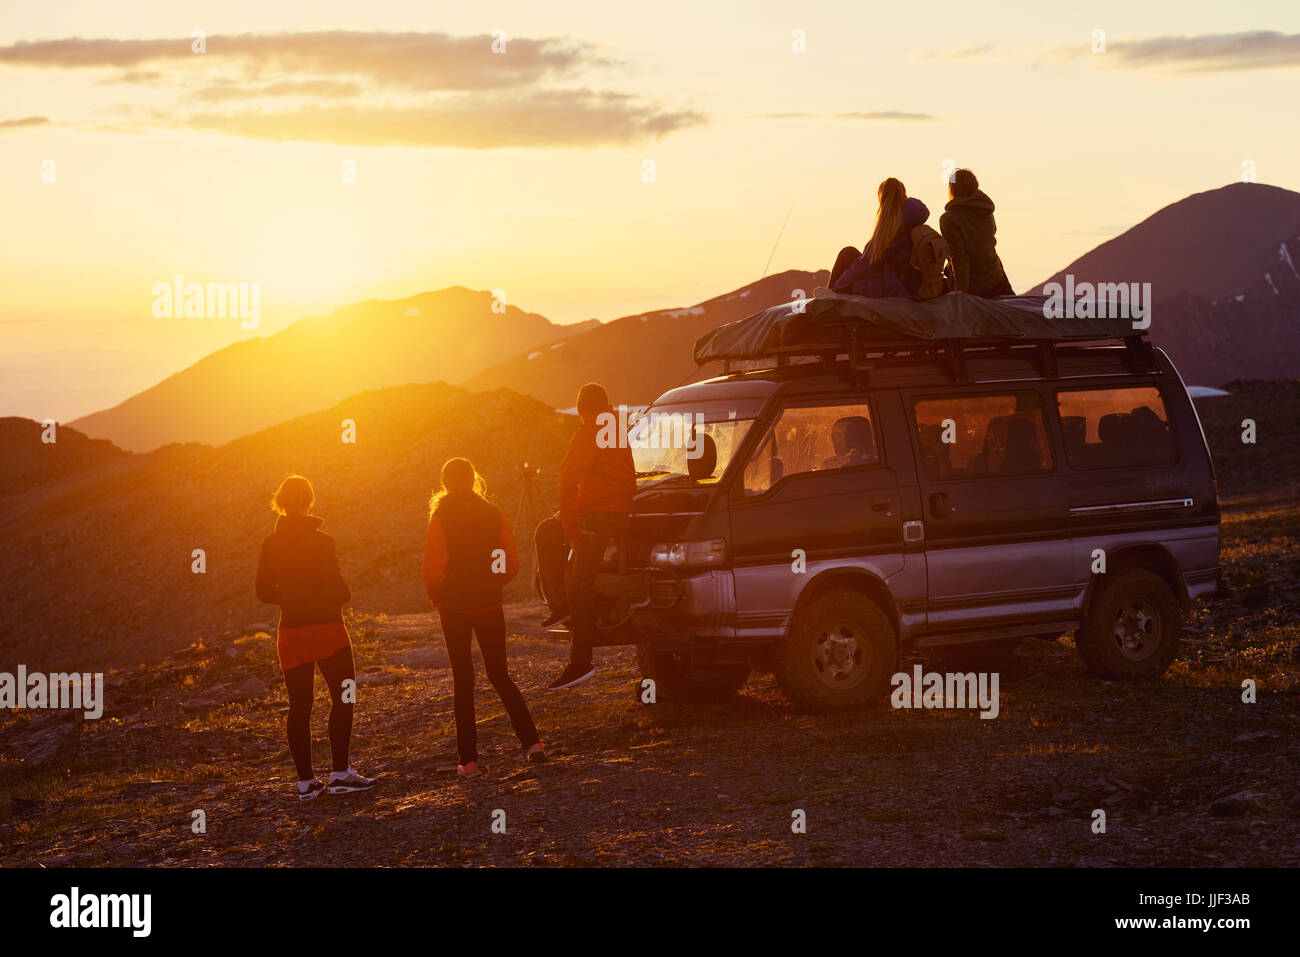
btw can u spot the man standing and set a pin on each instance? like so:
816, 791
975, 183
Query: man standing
597, 482
968, 226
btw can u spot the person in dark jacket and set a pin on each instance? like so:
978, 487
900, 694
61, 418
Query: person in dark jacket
298, 569
968, 227
883, 268
469, 556
597, 483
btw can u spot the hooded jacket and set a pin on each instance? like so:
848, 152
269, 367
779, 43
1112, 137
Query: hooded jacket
893, 275
594, 478
298, 569
968, 226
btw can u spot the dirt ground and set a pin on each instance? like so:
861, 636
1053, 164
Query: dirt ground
1186, 773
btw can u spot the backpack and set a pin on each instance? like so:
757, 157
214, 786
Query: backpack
929, 256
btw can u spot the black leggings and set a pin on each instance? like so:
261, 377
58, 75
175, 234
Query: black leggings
490, 627
847, 257
300, 682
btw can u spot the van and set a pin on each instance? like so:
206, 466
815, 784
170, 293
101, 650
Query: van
860, 491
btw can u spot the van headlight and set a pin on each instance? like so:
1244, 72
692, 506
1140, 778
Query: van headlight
711, 551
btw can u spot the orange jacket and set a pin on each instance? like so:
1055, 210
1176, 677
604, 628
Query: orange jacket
594, 479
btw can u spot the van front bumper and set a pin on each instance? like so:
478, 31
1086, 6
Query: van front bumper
661, 605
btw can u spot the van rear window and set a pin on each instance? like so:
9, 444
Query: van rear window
1115, 428
968, 436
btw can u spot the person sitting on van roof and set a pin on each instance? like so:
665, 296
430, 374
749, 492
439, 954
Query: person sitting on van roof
884, 267
968, 226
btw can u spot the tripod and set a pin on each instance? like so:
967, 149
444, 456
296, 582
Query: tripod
530, 498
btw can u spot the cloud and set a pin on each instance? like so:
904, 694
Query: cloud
556, 118
319, 89
885, 115
24, 122
1210, 52
365, 88
416, 61
975, 52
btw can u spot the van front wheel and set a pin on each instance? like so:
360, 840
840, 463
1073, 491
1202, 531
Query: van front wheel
840, 653
1132, 628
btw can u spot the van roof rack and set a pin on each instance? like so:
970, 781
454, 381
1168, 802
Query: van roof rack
866, 330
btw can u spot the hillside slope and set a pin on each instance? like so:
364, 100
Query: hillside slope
316, 362
637, 357
97, 566
1224, 268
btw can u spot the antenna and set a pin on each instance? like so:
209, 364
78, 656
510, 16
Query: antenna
778, 240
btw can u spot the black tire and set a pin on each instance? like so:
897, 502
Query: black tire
840, 653
996, 655
1132, 627
678, 680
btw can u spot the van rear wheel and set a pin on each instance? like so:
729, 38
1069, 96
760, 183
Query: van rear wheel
1132, 628
679, 679
840, 653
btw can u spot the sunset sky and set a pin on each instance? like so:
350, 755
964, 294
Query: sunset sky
523, 171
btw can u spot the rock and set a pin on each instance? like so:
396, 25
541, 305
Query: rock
250, 687
198, 705
1252, 736
1239, 805
422, 658
43, 747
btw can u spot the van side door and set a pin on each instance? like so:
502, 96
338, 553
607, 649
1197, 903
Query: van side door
997, 530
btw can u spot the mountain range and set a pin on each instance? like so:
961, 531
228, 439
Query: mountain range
101, 526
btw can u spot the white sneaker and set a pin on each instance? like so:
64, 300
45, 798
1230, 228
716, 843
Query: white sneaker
307, 790
345, 782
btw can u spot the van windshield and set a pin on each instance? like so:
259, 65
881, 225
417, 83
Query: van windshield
674, 443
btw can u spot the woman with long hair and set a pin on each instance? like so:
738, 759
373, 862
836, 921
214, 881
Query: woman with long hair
469, 556
883, 268
298, 569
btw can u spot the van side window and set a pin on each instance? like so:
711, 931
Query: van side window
966, 436
1115, 428
811, 439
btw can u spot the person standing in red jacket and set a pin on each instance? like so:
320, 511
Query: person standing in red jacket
469, 556
597, 483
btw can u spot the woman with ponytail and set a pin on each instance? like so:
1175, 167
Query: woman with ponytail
469, 556
883, 268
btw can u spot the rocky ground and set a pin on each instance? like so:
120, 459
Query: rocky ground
1186, 773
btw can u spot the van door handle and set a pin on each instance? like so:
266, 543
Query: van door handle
880, 504
939, 507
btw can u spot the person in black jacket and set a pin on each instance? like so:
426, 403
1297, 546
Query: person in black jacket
968, 227
469, 556
298, 569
